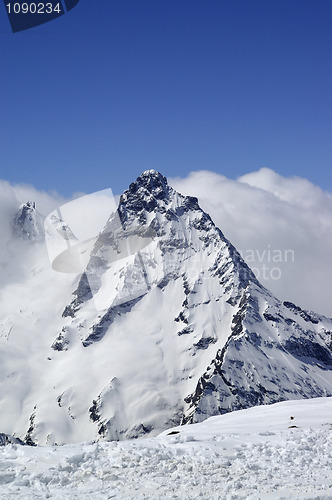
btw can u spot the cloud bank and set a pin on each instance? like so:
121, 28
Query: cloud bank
282, 227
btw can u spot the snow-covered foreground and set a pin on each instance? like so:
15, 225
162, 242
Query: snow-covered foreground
267, 452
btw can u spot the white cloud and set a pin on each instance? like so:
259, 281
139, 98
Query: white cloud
282, 226
11, 197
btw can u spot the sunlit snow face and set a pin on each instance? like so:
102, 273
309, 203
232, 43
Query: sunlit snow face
72, 230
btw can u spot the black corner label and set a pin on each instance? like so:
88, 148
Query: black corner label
24, 15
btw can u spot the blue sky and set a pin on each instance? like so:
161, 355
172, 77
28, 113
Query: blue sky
114, 87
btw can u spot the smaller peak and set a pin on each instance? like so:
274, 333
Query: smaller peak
28, 223
29, 205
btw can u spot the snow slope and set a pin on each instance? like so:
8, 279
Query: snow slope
174, 333
280, 451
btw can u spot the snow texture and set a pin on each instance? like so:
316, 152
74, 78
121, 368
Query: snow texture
282, 451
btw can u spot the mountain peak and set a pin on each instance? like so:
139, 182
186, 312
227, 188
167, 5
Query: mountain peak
152, 174
28, 222
152, 182
149, 191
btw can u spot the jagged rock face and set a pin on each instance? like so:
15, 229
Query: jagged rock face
271, 355
28, 223
176, 332
183, 233
5, 439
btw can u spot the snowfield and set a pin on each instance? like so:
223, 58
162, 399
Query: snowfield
267, 452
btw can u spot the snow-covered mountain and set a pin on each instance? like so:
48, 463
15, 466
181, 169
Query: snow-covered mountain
29, 223
174, 332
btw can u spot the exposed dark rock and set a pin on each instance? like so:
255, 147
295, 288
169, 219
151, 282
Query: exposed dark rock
186, 331
28, 437
100, 328
204, 342
61, 343
28, 223
6, 439
309, 351
308, 316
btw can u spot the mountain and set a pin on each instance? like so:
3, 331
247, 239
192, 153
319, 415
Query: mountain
29, 223
166, 325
